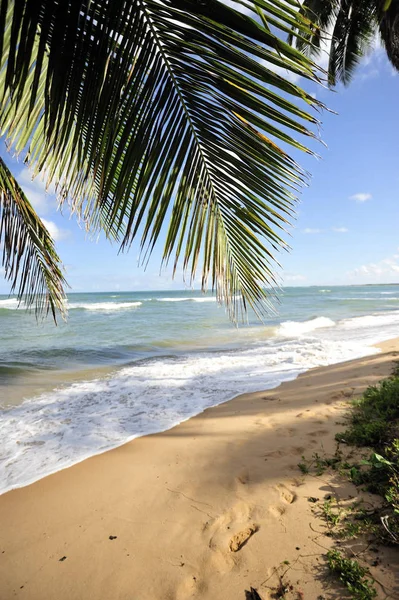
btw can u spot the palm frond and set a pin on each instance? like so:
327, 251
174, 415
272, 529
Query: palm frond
30, 261
347, 28
353, 33
320, 15
388, 19
165, 118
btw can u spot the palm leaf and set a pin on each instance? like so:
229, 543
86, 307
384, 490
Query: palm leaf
388, 23
352, 36
321, 15
29, 258
347, 28
163, 119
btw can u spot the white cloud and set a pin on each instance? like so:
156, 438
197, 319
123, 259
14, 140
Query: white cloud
35, 191
374, 62
340, 229
293, 277
311, 230
361, 197
56, 233
385, 271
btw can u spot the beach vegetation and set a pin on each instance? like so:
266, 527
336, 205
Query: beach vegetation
373, 427
156, 121
374, 423
374, 417
318, 464
354, 576
331, 512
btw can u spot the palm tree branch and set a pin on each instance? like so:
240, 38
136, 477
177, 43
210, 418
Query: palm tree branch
29, 258
149, 113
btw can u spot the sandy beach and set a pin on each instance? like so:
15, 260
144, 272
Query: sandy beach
163, 517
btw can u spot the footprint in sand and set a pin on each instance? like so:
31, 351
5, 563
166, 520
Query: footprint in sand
285, 494
286, 432
263, 423
275, 454
240, 539
243, 477
317, 433
297, 450
277, 511
296, 482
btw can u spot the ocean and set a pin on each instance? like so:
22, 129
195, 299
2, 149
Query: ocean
132, 363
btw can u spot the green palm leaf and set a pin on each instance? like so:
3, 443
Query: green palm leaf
347, 28
29, 258
165, 119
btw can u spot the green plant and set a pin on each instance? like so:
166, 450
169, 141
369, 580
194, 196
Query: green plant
331, 516
24, 233
373, 416
352, 575
362, 525
319, 463
303, 466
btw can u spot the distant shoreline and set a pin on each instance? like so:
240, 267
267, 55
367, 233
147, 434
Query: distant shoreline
210, 292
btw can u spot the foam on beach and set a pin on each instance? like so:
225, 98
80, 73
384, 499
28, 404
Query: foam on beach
9, 303
169, 362
67, 425
104, 306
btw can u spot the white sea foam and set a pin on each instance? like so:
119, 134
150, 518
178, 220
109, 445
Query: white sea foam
104, 306
296, 328
60, 428
63, 427
372, 321
324, 291
210, 299
356, 299
9, 303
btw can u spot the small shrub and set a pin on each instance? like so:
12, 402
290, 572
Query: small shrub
352, 575
374, 415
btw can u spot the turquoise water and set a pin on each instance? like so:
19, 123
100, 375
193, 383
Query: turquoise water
127, 364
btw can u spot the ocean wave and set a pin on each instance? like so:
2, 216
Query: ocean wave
61, 428
104, 306
10, 303
355, 299
376, 320
211, 299
324, 291
296, 328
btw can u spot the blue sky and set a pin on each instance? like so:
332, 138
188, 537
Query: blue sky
347, 224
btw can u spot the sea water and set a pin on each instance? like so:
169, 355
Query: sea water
128, 364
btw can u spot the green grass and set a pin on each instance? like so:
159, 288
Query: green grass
331, 513
319, 464
374, 418
374, 423
352, 575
